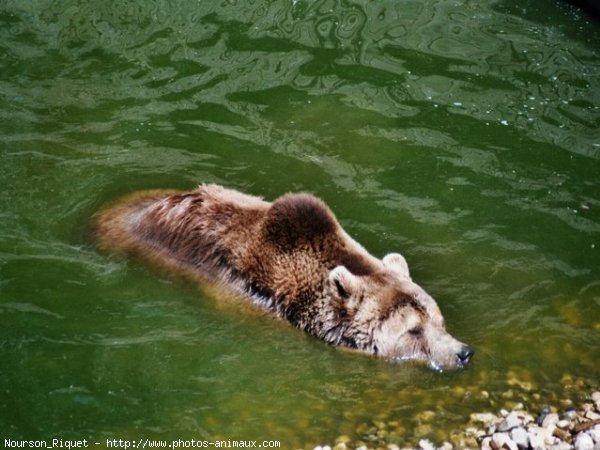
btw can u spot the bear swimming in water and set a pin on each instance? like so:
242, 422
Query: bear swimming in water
291, 257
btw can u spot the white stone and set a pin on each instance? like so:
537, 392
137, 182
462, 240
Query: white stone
511, 421
486, 444
550, 421
536, 441
520, 436
539, 437
562, 446
502, 440
570, 414
596, 398
595, 434
584, 441
563, 424
592, 415
528, 418
424, 444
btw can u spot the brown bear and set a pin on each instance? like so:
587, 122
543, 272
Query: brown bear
291, 257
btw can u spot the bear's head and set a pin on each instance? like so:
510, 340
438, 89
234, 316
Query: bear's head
389, 315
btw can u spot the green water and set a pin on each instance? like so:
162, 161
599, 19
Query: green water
464, 134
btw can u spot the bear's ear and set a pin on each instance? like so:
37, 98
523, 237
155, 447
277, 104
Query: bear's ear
344, 282
396, 263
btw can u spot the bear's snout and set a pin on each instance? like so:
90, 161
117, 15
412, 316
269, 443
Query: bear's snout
464, 356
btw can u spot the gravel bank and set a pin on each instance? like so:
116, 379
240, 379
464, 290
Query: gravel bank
554, 427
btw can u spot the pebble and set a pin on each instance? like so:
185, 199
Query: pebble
595, 434
536, 440
485, 418
486, 443
550, 421
540, 435
584, 442
592, 415
520, 437
426, 416
511, 421
563, 435
562, 446
425, 444
343, 439
503, 441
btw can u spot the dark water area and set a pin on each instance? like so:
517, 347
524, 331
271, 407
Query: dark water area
465, 135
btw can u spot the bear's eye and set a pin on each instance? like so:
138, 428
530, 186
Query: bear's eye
416, 331
341, 291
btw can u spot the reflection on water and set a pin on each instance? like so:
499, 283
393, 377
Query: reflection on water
464, 134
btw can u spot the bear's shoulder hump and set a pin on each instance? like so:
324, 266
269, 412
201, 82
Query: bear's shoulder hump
296, 217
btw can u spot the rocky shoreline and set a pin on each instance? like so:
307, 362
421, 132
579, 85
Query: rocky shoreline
565, 426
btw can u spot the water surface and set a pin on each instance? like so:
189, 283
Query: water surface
465, 135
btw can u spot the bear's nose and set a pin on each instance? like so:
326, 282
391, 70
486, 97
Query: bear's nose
465, 355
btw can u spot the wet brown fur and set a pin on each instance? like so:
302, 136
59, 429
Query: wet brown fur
282, 255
